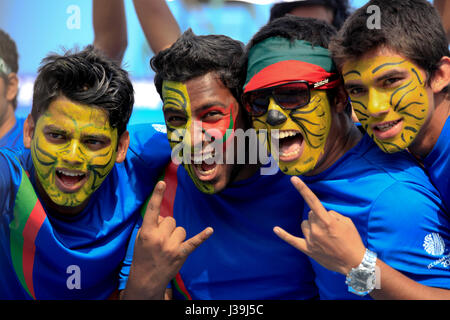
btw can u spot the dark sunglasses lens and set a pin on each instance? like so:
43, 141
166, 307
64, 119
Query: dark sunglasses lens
292, 96
257, 104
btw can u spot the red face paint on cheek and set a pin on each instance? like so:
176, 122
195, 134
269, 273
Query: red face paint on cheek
222, 128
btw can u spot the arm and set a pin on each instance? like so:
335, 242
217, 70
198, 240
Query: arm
159, 25
334, 242
110, 28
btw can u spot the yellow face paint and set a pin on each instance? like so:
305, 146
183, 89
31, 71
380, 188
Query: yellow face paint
313, 122
175, 97
389, 96
73, 150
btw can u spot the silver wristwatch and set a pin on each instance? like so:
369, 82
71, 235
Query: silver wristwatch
362, 279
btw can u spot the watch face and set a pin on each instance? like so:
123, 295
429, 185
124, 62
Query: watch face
362, 280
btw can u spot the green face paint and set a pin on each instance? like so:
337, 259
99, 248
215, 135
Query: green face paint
73, 150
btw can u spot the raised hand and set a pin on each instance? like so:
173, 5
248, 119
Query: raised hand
330, 238
159, 252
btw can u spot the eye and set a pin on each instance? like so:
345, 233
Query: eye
95, 144
392, 81
357, 91
175, 120
55, 137
212, 116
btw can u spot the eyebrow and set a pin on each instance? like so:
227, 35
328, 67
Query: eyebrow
386, 65
53, 128
96, 136
391, 73
351, 72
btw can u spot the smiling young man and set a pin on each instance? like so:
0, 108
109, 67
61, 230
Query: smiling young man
11, 128
226, 207
70, 199
292, 90
397, 78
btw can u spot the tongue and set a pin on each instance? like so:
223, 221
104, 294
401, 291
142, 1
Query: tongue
207, 167
290, 144
69, 180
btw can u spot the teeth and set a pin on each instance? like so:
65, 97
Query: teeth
277, 134
290, 154
70, 174
202, 157
386, 126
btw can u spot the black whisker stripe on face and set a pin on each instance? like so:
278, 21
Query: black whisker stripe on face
408, 105
351, 72
413, 116
411, 129
403, 137
361, 113
303, 111
398, 89
179, 92
404, 95
292, 115
392, 144
417, 75
177, 104
386, 64
258, 120
306, 135
360, 103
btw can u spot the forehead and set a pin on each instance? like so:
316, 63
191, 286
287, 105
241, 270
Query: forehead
67, 114
197, 92
375, 62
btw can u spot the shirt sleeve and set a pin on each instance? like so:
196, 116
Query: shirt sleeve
409, 231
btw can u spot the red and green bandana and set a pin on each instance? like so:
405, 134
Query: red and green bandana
278, 60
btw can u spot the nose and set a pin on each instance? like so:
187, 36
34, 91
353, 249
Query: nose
72, 154
275, 117
378, 104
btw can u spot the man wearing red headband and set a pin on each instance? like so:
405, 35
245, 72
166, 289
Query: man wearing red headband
292, 91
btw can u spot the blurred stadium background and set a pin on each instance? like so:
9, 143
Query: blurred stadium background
40, 27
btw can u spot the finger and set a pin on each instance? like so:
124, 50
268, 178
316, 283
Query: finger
310, 198
294, 241
193, 243
306, 229
151, 217
167, 226
178, 235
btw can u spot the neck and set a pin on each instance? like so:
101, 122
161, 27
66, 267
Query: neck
7, 121
431, 130
343, 136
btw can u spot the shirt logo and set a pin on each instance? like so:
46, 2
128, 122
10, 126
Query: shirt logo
434, 244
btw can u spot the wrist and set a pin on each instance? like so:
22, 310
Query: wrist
361, 280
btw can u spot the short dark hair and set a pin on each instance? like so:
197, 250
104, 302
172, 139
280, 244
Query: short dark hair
314, 31
85, 77
402, 29
8, 52
340, 8
192, 56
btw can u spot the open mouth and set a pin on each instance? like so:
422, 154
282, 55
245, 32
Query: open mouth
388, 129
205, 167
70, 181
290, 144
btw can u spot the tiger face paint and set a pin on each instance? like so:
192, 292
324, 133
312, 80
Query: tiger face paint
201, 113
389, 96
73, 150
299, 141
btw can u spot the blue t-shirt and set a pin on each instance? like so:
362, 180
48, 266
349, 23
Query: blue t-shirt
44, 255
243, 258
437, 164
396, 210
14, 137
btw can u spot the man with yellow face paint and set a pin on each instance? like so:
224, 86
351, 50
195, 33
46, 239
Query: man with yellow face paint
291, 89
198, 81
397, 77
70, 200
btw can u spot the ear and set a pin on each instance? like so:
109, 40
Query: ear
28, 131
122, 147
340, 99
441, 77
13, 87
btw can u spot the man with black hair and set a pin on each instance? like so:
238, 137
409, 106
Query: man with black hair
397, 78
332, 11
293, 91
233, 206
70, 200
11, 128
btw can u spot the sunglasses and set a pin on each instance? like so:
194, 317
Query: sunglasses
289, 96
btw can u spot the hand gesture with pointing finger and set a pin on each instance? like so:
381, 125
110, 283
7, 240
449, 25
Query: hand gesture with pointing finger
159, 252
330, 238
